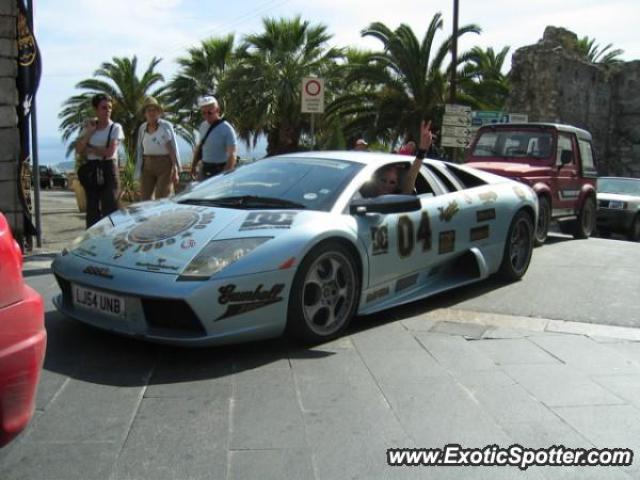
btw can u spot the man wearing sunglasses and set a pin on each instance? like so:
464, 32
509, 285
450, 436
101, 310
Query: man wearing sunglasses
217, 147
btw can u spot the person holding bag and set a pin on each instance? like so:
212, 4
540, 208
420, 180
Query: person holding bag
157, 157
98, 144
217, 149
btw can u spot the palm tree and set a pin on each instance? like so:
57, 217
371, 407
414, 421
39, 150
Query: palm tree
404, 83
200, 73
119, 80
590, 51
268, 77
482, 80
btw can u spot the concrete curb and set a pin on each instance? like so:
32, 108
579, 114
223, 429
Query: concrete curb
532, 324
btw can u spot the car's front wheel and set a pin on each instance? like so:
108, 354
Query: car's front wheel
586, 222
518, 247
544, 219
634, 231
324, 295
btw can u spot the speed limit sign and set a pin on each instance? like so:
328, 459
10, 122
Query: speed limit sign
312, 95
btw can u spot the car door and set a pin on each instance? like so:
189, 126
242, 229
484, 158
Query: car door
567, 179
401, 244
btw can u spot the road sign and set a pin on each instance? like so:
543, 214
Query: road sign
451, 131
518, 118
457, 119
455, 126
312, 95
458, 142
453, 108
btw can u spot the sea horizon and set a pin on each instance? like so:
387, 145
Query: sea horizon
52, 151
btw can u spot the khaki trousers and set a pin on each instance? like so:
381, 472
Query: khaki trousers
156, 176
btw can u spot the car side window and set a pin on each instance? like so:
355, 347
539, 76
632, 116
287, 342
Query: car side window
564, 143
586, 155
449, 183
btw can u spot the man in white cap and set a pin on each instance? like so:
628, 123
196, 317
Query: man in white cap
361, 145
217, 146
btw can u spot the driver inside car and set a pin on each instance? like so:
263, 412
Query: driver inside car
388, 180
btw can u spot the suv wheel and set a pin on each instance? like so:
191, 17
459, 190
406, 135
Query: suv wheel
634, 231
586, 219
544, 219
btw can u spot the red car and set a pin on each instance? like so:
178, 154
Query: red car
23, 339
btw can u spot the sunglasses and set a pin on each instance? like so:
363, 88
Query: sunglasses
388, 181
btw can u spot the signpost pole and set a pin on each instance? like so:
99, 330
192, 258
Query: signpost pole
313, 134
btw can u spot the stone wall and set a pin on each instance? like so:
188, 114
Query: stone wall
552, 83
10, 206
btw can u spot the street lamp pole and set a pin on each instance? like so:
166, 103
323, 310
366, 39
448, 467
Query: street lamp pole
454, 53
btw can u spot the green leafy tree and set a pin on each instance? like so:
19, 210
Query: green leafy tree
120, 80
200, 73
482, 80
267, 80
592, 52
402, 84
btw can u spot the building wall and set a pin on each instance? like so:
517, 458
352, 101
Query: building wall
9, 138
552, 84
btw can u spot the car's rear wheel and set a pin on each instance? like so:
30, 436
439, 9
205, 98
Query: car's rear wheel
586, 222
544, 219
634, 231
324, 295
518, 247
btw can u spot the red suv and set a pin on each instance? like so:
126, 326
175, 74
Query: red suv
557, 161
23, 339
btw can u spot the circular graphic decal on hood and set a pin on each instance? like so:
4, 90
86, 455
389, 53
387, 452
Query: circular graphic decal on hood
163, 226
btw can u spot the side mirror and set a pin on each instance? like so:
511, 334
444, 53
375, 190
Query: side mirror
385, 204
566, 157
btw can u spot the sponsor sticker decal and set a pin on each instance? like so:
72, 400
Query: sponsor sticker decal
379, 240
486, 215
262, 220
488, 197
446, 214
447, 241
239, 302
377, 294
520, 192
406, 282
479, 233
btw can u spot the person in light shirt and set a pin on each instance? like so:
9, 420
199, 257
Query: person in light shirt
157, 157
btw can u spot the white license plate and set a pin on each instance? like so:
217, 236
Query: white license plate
98, 301
616, 204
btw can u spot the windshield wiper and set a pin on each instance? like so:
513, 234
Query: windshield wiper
244, 201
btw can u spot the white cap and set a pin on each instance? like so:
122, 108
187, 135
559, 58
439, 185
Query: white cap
207, 100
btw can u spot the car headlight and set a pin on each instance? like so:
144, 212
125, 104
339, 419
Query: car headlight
219, 254
100, 228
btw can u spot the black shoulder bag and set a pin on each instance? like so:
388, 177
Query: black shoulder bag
99, 171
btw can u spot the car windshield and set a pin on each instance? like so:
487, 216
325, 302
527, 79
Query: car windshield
277, 182
534, 144
627, 186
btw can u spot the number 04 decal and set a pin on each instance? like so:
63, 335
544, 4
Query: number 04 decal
406, 241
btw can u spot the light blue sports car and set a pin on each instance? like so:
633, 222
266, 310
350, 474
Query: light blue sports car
293, 244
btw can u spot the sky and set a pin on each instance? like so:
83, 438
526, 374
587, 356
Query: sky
76, 36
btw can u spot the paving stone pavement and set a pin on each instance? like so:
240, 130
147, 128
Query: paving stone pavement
113, 408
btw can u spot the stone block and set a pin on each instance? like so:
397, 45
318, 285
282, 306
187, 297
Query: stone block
8, 67
176, 438
9, 144
8, 48
8, 90
8, 116
7, 27
8, 7
8, 195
